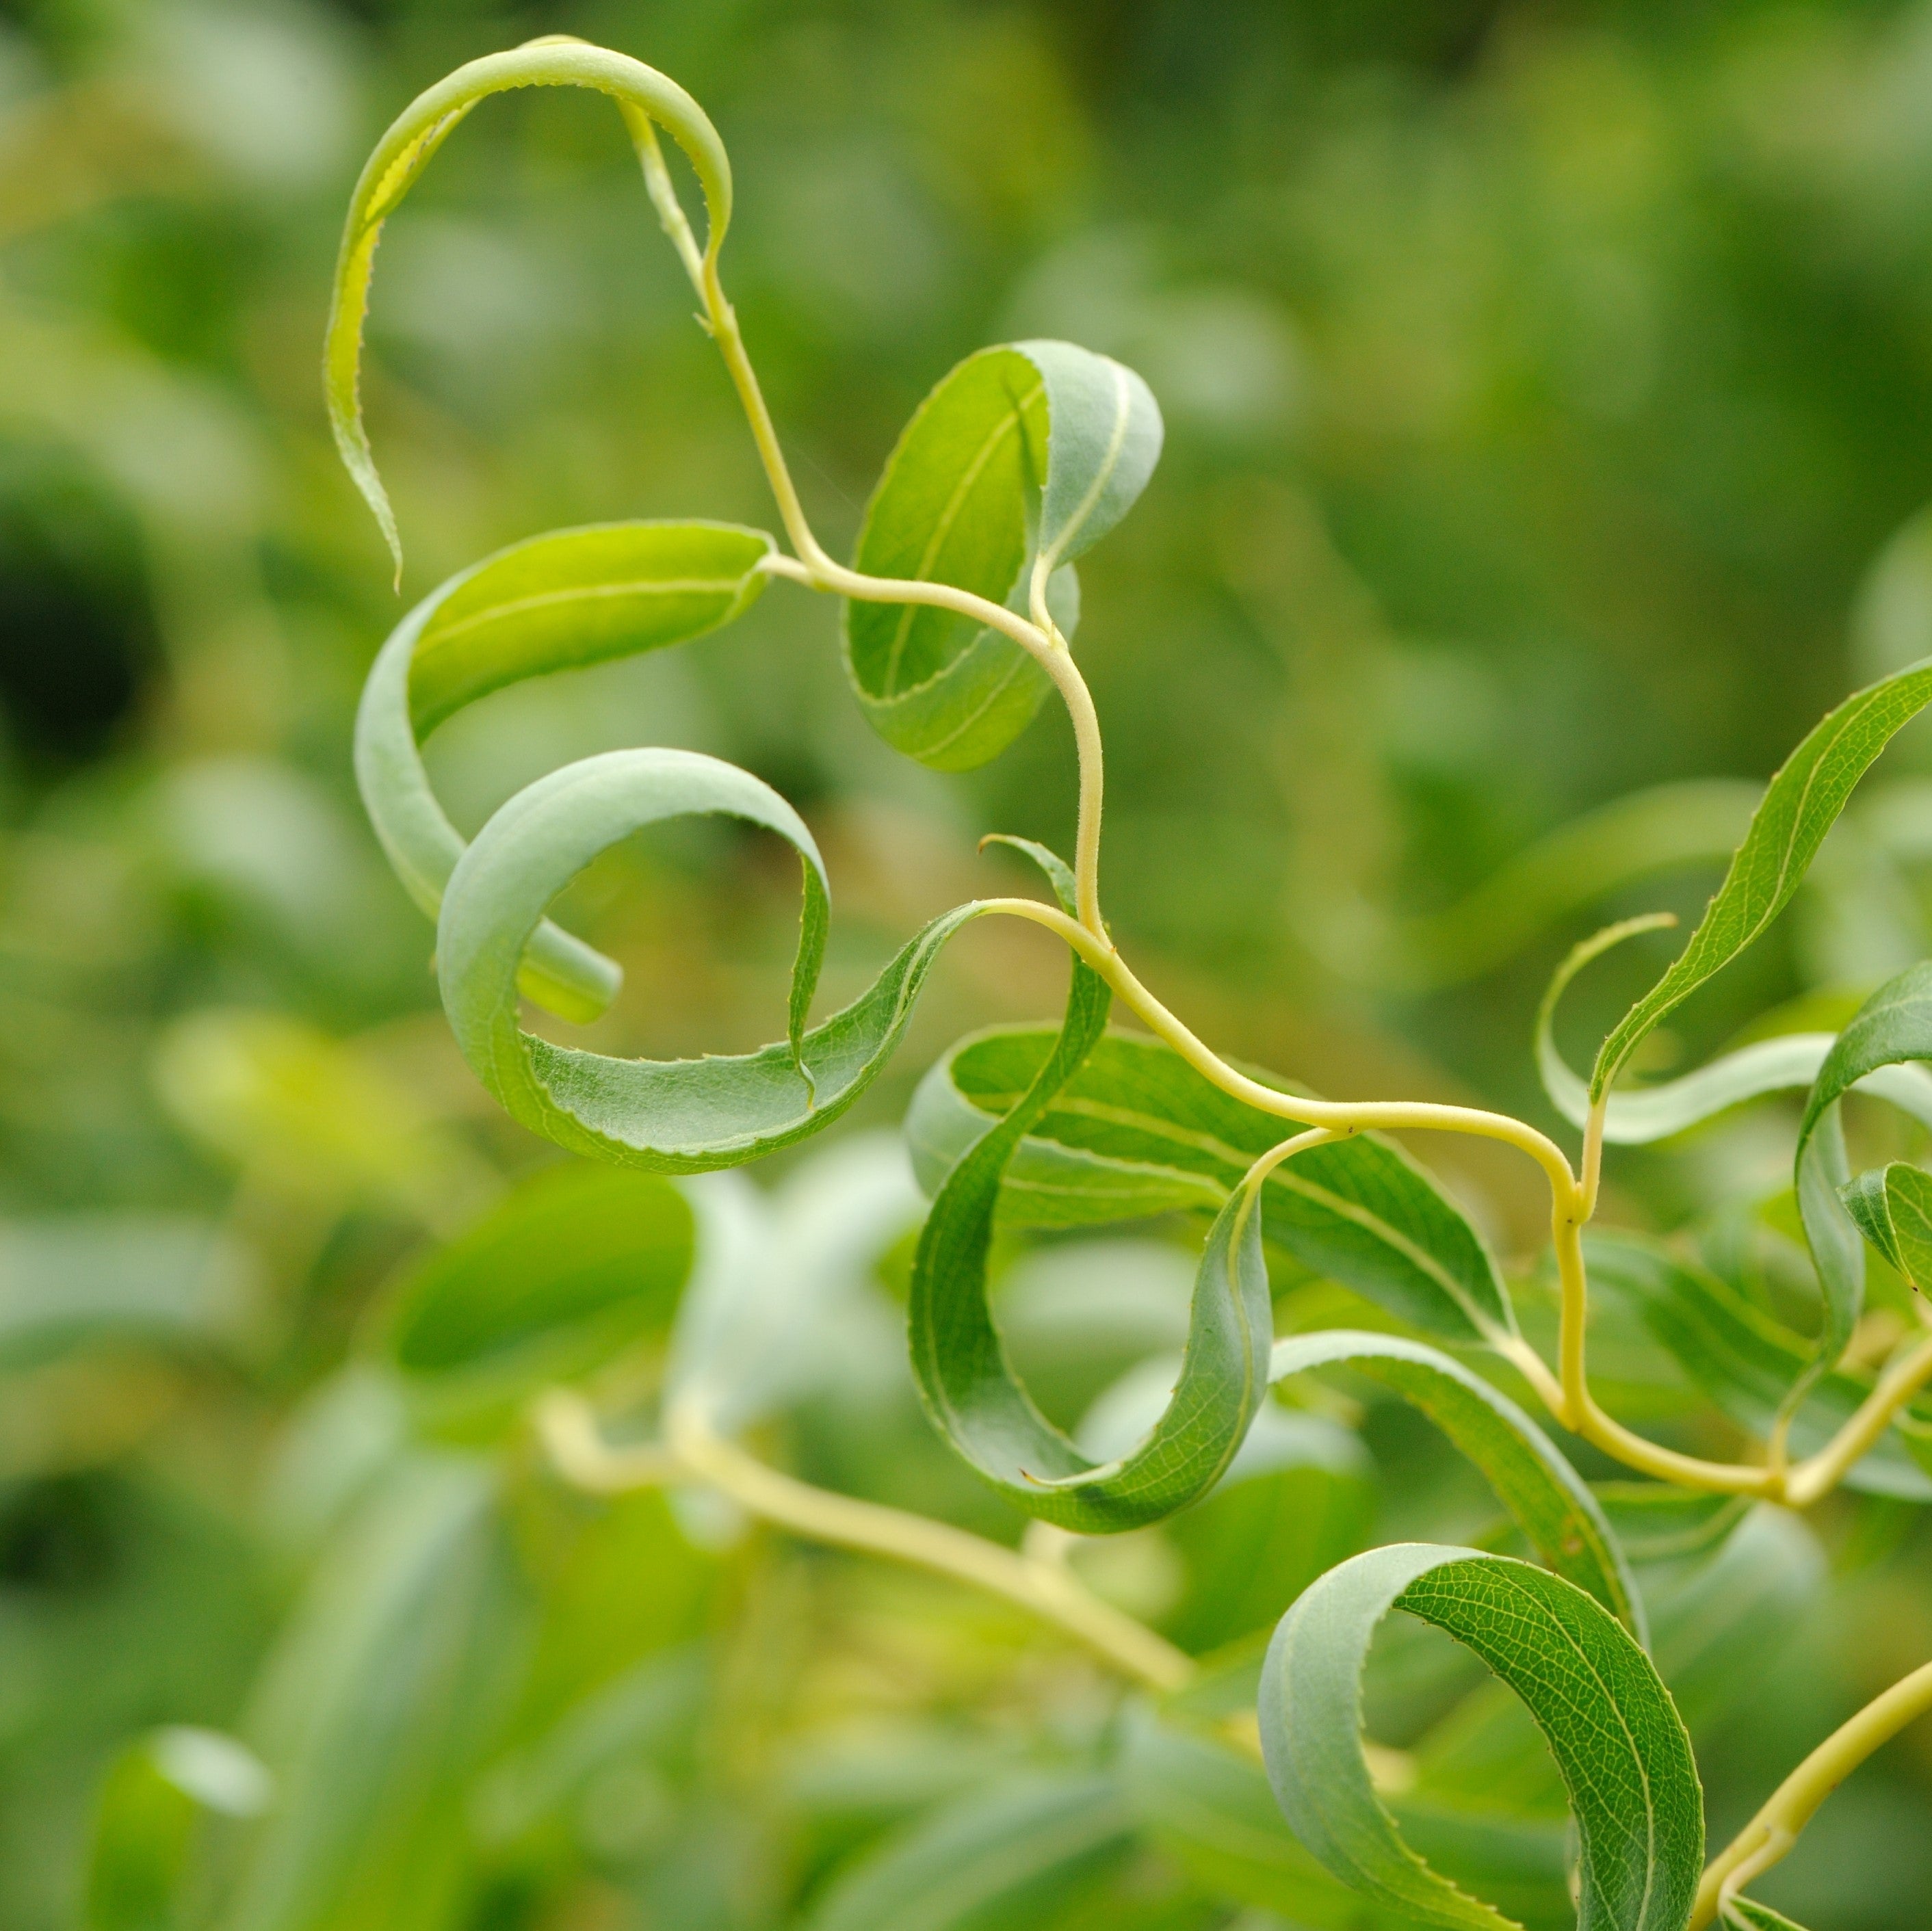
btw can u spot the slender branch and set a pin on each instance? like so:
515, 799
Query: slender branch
1343, 1116
1773, 1831
1824, 1470
1035, 1580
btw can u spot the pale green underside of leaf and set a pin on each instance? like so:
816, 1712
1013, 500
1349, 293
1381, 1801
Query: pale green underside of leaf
1617, 1742
1021, 453
960, 1363
571, 597
405, 150
1639, 1116
1800, 805
1548, 1501
1876, 1054
1137, 1132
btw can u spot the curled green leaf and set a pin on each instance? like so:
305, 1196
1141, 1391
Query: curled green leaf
1800, 805
1617, 1742
1136, 1131
1546, 1498
1020, 458
1788, 1061
405, 150
1892, 1030
573, 598
969, 1387
1891, 1206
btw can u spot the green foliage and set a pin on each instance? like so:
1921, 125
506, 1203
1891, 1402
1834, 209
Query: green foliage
1610, 1725
1546, 1498
578, 1542
1136, 1131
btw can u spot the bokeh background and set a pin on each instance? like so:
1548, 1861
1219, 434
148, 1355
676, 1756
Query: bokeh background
1547, 389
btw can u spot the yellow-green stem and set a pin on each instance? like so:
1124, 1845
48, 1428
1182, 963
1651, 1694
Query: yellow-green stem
1774, 1829
694, 1450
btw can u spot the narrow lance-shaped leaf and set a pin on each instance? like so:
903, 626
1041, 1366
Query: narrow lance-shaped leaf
969, 1387
1787, 1062
1546, 1498
405, 150
1800, 805
1136, 1131
1617, 1739
1891, 1206
1020, 457
574, 597
1893, 1026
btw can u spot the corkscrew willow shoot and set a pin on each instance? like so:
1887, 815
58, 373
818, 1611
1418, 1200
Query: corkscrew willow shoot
960, 609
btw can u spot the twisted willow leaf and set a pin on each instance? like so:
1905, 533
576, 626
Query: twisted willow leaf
1136, 1131
680, 1116
1891, 1206
572, 597
968, 1386
1548, 1500
1743, 1361
1632, 1119
1800, 805
1038, 444
642, 95
1618, 1744
1894, 1025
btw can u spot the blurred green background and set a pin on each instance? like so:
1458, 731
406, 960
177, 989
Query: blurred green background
1547, 389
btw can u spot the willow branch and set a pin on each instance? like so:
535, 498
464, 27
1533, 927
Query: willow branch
1773, 1831
693, 1450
